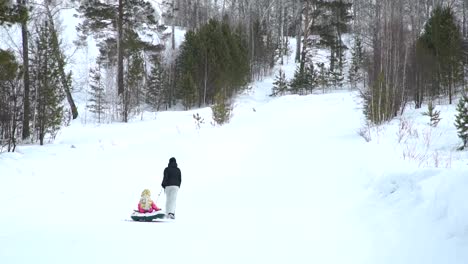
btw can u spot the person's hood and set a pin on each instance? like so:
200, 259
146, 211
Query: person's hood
172, 162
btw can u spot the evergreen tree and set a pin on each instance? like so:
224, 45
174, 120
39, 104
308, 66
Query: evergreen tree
135, 79
126, 20
461, 120
442, 38
60, 57
189, 91
238, 67
221, 109
156, 88
322, 76
355, 73
334, 17
337, 76
192, 59
434, 115
97, 103
262, 50
304, 82
280, 86
10, 103
216, 59
48, 84
299, 82
312, 78
11, 13
8, 65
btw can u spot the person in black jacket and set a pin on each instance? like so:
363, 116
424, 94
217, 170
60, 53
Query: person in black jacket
171, 184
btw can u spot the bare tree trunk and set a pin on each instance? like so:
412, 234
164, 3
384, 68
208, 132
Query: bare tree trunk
464, 19
206, 78
286, 37
251, 39
173, 25
403, 93
26, 100
299, 29
281, 33
120, 70
120, 79
305, 38
450, 83
463, 39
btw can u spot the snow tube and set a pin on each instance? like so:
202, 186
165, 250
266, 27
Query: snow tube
147, 217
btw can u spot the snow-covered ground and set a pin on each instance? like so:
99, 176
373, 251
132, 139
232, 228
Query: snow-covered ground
288, 180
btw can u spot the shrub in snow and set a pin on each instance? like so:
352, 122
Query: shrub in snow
433, 115
322, 76
97, 103
221, 110
280, 85
461, 120
364, 132
198, 120
304, 81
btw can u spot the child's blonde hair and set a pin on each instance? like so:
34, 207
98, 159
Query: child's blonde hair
145, 200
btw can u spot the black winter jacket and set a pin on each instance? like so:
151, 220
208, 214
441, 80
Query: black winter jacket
172, 175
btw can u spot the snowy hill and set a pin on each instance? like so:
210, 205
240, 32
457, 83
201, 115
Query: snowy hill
288, 180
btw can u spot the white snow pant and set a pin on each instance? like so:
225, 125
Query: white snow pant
171, 197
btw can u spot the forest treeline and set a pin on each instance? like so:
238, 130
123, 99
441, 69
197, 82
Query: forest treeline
395, 52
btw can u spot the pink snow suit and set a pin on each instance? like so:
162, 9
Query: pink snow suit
153, 208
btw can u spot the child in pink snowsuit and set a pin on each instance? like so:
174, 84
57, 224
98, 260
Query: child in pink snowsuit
146, 205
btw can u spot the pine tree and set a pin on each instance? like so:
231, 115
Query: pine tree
11, 13
98, 103
334, 18
188, 90
10, 103
135, 78
221, 110
311, 78
156, 88
461, 120
434, 116
337, 76
355, 74
322, 76
299, 82
280, 86
48, 84
442, 37
217, 60
127, 20
61, 61
192, 59
304, 82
